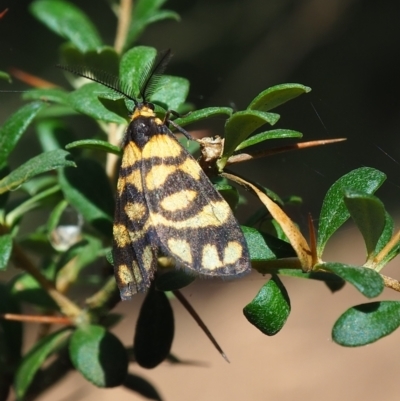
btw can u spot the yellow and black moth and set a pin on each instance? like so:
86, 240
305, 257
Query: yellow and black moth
165, 202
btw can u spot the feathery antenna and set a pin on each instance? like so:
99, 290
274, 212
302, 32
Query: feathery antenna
152, 74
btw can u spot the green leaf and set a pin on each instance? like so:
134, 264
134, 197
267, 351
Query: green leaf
258, 248
154, 330
15, 126
31, 203
368, 213
88, 190
134, 63
35, 358
171, 92
144, 13
173, 280
332, 281
366, 323
6, 244
272, 134
37, 165
202, 114
54, 95
229, 193
86, 101
67, 21
98, 355
241, 125
5, 76
269, 310
367, 281
383, 240
334, 212
277, 95
95, 144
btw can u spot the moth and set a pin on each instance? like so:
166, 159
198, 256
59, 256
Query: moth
164, 201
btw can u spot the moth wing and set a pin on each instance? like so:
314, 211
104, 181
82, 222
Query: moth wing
194, 224
135, 244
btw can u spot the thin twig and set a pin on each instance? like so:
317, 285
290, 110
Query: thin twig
198, 320
21, 261
36, 318
242, 157
391, 283
124, 21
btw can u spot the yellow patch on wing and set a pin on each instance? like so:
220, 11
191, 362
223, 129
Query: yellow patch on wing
214, 214
131, 154
180, 248
161, 146
125, 275
157, 176
135, 211
121, 235
232, 252
191, 167
179, 200
210, 259
134, 179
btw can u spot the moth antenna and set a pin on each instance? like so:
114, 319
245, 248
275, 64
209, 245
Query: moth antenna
152, 74
102, 77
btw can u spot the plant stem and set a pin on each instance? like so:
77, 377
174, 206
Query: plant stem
124, 21
67, 307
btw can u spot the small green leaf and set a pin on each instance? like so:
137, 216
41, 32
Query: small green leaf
88, 190
173, 280
5, 76
269, 310
366, 323
134, 64
171, 92
383, 240
32, 203
272, 134
6, 244
47, 95
202, 114
241, 125
154, 330
95, 144
35, 358
258, 248
37, 165
332, 281
368, 213
86, 101
277, 95
67, 21
334, 212
15, 126
367, 281
98, 355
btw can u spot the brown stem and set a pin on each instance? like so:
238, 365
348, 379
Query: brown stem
21, 261
36, 318
198, 320
391, 283
124, 21
242, 157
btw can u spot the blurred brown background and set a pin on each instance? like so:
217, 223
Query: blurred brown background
347, 51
